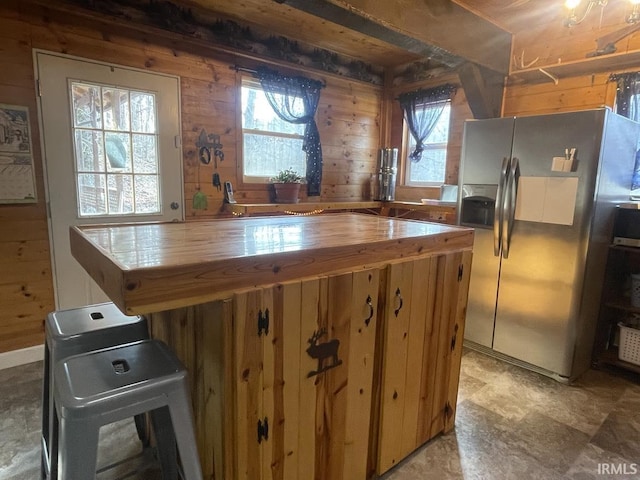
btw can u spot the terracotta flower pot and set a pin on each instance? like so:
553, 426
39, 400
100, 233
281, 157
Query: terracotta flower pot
287, 192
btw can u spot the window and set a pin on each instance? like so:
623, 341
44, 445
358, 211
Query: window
269, 144
116, 150
430, 170
628, 104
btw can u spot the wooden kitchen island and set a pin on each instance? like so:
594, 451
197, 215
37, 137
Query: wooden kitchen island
319, 347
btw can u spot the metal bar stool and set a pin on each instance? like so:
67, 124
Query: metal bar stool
101, 387
75, 331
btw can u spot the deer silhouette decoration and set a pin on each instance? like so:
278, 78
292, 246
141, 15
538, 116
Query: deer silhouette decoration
322, 351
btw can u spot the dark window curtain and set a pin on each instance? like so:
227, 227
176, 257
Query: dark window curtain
628, 91
420, 120
628, 104
288, 89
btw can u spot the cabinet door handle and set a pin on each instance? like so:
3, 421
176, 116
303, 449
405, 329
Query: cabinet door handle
368, 319
454, 338
263, 430
263, 322
399, 297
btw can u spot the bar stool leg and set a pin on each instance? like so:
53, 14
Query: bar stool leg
78, 449
54, 436
166, 442
181, 418
52, 422
142, 429
45, 460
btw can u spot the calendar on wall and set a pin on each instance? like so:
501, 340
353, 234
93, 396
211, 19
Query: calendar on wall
17, 175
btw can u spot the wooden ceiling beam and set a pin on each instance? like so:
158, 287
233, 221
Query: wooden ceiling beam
483, 89
441, 30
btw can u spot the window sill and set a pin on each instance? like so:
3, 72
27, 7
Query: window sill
409, 193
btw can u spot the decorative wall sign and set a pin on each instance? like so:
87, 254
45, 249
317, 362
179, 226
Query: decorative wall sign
206, 143
323, 351
17, 175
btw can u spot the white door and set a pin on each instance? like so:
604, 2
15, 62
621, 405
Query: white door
111, 153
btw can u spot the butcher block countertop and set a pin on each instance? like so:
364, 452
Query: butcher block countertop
152, 267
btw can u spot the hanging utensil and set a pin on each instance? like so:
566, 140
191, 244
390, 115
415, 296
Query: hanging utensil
199, 201
216, 181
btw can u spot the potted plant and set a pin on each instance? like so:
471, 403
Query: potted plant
287, 185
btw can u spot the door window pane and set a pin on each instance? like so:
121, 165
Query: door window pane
145, 155
143, 112
87, 106
146, 193
115, 106
116, 148
120, 194
92, 195
89, 150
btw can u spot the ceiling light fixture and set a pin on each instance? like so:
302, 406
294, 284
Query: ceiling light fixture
578, 13
634, 16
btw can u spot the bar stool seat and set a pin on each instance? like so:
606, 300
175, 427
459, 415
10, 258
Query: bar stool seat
75, 331
101, 387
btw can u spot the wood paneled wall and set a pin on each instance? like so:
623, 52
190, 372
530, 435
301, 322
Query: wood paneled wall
549, 42
26, 289
575, 93
348, 119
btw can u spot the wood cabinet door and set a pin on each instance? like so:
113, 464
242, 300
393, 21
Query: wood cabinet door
248, 309
408, 317
425, 302
342, 394
459, 267
310, 377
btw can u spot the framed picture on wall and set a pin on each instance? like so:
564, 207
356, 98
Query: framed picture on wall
17, 175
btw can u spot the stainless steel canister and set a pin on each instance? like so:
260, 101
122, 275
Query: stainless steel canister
387, 169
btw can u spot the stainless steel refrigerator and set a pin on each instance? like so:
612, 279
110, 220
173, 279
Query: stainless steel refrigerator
540, 192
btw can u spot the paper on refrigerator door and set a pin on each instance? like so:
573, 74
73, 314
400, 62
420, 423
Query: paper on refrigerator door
547, 199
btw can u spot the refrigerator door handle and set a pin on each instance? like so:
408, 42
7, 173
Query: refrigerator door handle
510, 198
499, 208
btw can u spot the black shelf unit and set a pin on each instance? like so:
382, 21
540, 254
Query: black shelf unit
616, 306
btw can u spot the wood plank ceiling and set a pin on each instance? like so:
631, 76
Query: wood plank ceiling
476, 30
364, 39
381, 33
470, 37
517, 15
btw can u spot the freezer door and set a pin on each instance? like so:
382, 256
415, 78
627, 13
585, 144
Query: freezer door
541, 280
486, 144
483, 288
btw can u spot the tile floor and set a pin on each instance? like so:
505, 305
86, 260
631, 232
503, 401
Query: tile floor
511, 424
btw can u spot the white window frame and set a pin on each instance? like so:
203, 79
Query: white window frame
252, 83
407, 149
